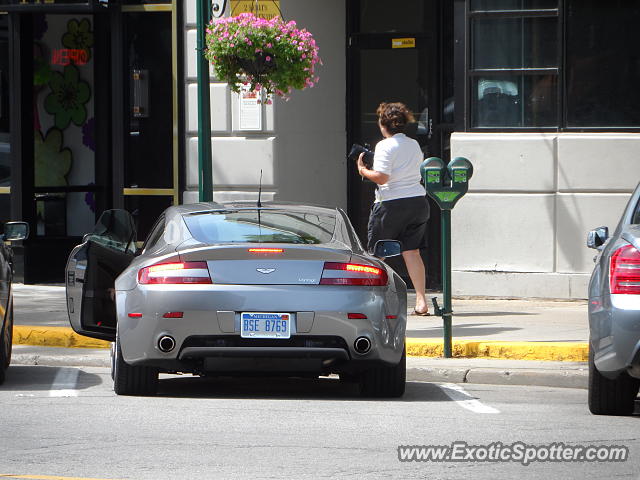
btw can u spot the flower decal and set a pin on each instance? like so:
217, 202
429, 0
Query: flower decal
79, 36
68, 98
52, 160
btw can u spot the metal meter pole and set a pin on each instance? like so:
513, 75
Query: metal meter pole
447, 311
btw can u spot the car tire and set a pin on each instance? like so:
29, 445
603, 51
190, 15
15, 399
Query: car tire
6, 344
611, 397
130, 380
385, 381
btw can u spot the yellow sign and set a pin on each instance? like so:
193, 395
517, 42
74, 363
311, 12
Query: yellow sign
262, 8
403, 43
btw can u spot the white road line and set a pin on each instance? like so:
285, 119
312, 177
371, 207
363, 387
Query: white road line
64, 384
462, 398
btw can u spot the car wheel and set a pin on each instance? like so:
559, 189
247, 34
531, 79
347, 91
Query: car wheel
611, 397
6, 340
130, 380
385, 381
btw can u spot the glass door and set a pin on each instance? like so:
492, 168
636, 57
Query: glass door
149, 170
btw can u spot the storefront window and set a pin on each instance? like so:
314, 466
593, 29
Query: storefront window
63, 123
515, 42
515, 101
496, 5
514, 65
515, 71
603, 64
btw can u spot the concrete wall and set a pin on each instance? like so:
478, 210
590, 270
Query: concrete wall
521, 229
301, 147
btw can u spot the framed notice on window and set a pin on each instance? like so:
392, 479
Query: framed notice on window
250, 109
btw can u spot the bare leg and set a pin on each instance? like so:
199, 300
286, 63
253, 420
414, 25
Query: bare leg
415, 267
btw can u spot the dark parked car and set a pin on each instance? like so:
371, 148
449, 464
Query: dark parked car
13, 232
236, 289
614, 315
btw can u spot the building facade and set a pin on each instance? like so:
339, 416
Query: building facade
99, 110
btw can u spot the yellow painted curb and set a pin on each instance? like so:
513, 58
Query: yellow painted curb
54, 337
552, 351
416, 347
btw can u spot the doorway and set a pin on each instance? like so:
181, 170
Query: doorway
395, 54
148, 174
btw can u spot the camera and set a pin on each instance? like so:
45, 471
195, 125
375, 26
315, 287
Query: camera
357, 149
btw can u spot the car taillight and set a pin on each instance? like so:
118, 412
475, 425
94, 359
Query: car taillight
624, 274
352, 274
175, 273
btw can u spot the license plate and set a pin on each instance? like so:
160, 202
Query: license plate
265, 325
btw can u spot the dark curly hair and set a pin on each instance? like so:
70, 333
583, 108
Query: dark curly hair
394, 116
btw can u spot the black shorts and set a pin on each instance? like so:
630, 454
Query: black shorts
403, 219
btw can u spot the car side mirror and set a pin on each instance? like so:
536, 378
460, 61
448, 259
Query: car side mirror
597, 237
14, 231
387, 248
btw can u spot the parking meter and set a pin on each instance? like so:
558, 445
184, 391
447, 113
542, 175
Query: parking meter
446, 185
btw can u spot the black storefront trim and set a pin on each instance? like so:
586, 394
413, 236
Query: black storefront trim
92, 6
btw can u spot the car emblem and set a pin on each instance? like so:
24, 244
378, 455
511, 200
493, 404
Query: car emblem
266, 270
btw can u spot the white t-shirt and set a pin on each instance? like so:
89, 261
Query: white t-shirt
400, 158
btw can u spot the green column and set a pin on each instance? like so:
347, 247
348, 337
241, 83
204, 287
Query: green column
205, 174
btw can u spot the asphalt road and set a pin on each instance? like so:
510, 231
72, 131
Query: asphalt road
65, 421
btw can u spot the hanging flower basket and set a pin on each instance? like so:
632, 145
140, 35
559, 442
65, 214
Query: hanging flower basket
261, 64
269, 54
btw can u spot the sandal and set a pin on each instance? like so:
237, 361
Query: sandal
422, 314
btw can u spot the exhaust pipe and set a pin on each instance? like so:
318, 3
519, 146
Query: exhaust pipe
166, 343
362, 345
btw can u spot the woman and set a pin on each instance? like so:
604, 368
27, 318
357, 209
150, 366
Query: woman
400, 211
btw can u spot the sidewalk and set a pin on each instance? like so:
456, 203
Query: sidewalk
520, 342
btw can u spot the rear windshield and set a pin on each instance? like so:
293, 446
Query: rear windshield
267, 226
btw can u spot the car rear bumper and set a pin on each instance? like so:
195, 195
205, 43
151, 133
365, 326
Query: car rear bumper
210, 326
615, 333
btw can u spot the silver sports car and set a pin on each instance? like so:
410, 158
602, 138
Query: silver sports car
236, 288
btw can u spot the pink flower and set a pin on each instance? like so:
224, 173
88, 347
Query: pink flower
268, 58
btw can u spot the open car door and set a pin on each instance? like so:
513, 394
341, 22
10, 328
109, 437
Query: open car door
91, 271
